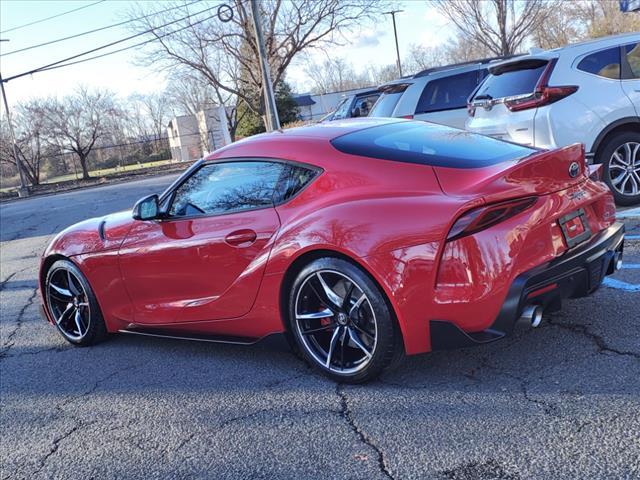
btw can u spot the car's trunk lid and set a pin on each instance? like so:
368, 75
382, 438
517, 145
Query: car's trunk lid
541, 173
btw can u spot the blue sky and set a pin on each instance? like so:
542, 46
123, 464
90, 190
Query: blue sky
373, 45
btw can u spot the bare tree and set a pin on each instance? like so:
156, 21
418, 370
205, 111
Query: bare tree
77, 122
30, 139
500, 26
421, 58
335, 74
569, 22
149, 114
188, 94
225, 54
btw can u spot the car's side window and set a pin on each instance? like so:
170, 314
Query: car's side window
293, 181
447, 93
605, 63
219, 188
632, 54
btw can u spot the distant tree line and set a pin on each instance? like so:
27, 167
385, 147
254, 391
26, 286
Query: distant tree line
486, 28
88, 129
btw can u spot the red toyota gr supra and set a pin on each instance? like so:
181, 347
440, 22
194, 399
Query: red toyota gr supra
361, 241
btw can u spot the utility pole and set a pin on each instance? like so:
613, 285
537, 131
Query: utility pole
395, 34
23, 191
273, 122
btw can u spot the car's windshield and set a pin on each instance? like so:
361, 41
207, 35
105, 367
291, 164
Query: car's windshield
342, 110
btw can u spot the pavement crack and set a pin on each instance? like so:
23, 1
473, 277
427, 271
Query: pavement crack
6, 280
55, 445
598, 340
345, 412
9, 342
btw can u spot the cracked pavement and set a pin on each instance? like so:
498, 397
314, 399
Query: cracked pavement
557, 402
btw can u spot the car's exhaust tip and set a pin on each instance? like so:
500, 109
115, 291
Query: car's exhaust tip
533, 315
617, 261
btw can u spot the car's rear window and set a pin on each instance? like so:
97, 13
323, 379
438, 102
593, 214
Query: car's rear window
518, 80
429, 144
387, 102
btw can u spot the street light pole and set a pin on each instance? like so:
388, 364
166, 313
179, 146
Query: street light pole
23, 191
273, 122
395, 34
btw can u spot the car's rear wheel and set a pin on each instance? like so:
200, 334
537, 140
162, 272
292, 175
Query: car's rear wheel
341, 321
620, 158
72, 305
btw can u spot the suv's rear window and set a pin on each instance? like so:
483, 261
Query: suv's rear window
387, 102
518, 80
429, 144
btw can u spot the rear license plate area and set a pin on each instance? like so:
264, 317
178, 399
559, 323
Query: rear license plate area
575, 227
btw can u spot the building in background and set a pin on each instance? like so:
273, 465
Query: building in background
194, 136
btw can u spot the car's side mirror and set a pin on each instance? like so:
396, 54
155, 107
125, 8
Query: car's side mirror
356, 112
146, 208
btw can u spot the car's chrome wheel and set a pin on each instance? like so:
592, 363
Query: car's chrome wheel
624, 169
68, 304
335, 322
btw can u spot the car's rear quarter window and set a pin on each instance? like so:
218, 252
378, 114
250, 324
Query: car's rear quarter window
429, 144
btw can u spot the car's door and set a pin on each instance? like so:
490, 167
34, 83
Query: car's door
631, 73
205, 260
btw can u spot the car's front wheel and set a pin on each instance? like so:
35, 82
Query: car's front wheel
341, 322
620, 158
72, 305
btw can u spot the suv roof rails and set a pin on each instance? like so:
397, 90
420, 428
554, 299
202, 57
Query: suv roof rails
480, 61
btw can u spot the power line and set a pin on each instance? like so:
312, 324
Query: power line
51, 17
125, 48
50, 65
97, 29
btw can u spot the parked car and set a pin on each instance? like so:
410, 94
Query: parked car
587, 93
360, 240
352, 106
437, 95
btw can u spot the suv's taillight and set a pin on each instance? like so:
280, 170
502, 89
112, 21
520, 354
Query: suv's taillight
543, 93
484, 217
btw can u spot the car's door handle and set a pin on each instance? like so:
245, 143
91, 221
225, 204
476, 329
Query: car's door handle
240, 238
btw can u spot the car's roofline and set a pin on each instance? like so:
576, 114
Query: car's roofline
587, 45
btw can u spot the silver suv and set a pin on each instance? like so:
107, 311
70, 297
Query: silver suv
584, 93
436, 95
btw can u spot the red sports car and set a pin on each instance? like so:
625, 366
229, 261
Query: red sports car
360, 241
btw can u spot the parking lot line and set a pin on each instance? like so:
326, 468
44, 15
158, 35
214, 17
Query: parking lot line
632, 237
632, 266
620, 285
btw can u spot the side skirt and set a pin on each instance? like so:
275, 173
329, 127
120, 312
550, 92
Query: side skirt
194, 337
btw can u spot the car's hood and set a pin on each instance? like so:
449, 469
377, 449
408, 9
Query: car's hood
93, 235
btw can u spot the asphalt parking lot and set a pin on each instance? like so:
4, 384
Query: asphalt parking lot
561, 401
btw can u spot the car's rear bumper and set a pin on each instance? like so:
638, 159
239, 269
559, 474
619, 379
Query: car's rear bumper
577, 273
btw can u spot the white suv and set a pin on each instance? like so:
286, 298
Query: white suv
587, 93
436, 95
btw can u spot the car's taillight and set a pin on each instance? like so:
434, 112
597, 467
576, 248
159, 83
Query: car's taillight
543, 93
542, 97
484, 217
471, 109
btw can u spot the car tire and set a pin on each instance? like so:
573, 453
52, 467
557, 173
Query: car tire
72, 305
341, 321
617, 151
